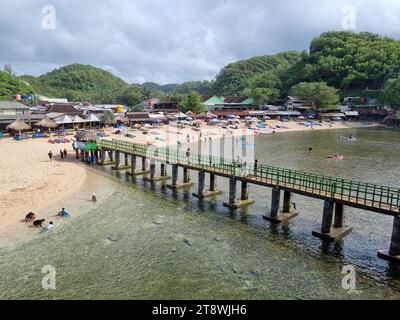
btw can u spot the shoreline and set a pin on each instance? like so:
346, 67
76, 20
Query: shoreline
30, 182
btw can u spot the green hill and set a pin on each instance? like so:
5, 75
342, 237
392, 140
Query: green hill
79, 83
349, 61
10, 86
234, 78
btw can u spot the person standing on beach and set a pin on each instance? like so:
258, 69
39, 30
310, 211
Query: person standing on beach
51, 155
65, 153
62, 154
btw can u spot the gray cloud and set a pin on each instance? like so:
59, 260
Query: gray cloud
174, 40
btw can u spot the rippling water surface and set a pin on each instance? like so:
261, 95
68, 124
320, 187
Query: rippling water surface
147, 242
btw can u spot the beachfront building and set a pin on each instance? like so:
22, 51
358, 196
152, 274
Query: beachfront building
10, 111
239, 103
138, 118
166, 107
295, 104
212, 102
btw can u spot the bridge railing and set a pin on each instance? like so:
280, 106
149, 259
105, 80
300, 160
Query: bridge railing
364, 194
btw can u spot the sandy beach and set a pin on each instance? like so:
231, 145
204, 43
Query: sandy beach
30, 182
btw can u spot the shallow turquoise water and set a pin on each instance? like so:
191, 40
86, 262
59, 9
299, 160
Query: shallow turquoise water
147, 242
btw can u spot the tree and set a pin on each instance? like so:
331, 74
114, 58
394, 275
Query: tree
391, 93
192, 102
107, 117
131, 96
318, 94
262, 95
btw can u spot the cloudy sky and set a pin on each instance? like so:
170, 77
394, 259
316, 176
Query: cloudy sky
170, 41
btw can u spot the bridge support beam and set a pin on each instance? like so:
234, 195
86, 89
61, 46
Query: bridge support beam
393, 254
103, 155
338, 231
244, 198
202, 193
277, 216
142, 172
153, 176
117, 161
186, 180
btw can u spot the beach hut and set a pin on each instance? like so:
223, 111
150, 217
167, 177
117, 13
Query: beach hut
77, 121
19, 126
64, 120
92, 119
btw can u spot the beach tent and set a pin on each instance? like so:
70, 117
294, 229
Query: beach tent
46, 123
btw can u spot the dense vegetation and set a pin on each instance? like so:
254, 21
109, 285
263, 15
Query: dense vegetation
349, 61
241, 75
9, 86
78, 82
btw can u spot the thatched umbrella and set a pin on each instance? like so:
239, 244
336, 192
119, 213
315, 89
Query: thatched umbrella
19, 125
46, 123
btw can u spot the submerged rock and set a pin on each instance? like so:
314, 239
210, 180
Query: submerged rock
188, 242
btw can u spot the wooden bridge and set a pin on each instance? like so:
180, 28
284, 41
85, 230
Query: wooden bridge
337, 193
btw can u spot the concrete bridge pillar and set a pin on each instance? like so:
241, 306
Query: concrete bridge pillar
163, 170
338, 230
133, 165
153, 176
186, 180
202, 183
126, 160
143, 164
244, 198
186, 175
175, 173
287, 202
245, 191
232, 191
102, 157
117, 160
275, 202
213, 185
152, 171
339, 215
277, 216
393, 254
111, 155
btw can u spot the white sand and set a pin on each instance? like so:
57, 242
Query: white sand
30, 182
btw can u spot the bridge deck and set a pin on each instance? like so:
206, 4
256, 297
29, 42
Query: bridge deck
371, 197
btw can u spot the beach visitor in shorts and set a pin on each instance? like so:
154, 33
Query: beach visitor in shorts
51, 155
